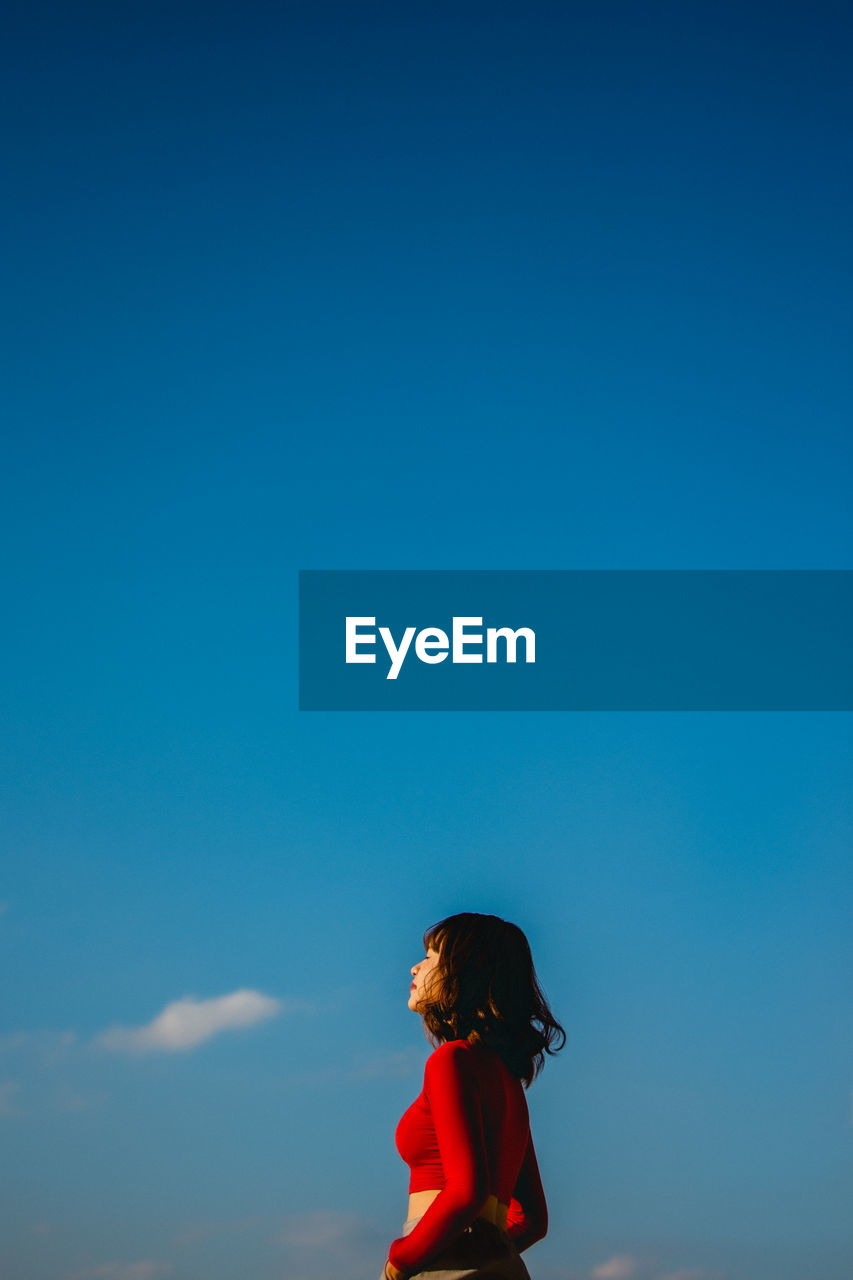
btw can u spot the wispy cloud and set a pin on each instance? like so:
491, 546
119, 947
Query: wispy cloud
45, 1062
49, 1045
147, 1269
320, 1229
72, 1100
620, 1267
194, 1232
330, 1242
687, 1273
185, 1024
312, 1245
625, 1266
8, 1089
396, 1064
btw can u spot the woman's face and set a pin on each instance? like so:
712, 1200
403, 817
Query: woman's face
421, 978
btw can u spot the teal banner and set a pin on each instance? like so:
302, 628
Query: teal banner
575, 640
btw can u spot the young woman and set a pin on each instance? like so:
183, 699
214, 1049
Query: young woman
475, 1195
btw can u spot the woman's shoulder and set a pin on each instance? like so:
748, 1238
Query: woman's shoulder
462, 1057
451, 1051
450, 1058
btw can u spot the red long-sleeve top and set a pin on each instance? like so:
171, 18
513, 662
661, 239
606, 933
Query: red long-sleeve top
467, 1136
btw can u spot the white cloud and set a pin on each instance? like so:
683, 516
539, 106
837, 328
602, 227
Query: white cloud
619, 1267
184, 1024
144, 1270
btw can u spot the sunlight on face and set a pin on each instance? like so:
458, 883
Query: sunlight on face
421, 977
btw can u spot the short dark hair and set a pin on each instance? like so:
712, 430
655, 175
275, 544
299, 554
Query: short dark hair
485, 990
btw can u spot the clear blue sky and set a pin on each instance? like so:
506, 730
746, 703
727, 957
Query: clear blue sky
419, 286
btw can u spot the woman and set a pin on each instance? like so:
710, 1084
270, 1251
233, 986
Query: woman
475, 1195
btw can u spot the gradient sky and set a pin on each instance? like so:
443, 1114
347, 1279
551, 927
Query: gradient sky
418, 286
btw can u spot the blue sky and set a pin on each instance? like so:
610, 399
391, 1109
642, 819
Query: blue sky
437, 286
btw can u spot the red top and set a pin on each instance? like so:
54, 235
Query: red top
468, 1136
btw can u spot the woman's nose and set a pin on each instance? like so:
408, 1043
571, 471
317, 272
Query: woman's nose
415, 968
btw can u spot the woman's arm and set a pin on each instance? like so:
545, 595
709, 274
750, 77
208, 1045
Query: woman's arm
527, 1220
454, 1101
